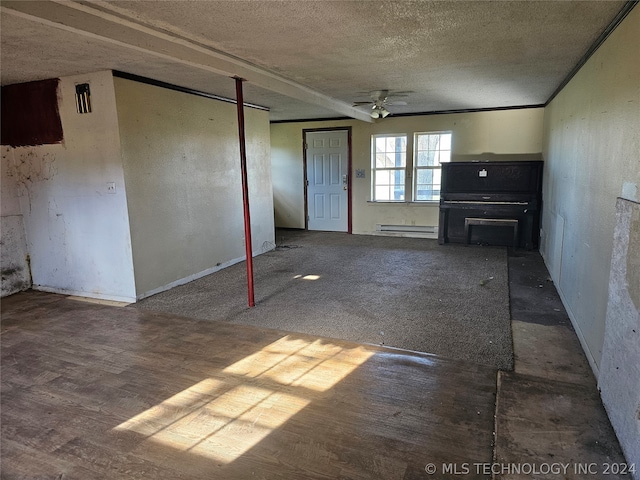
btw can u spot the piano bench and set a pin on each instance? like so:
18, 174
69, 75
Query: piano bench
495, 222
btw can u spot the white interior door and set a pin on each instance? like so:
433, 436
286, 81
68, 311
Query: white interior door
327, 177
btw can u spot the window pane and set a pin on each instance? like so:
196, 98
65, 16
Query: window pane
389, 193
389, 185
445, 141
383, 177
444, 156
389, 177
426, 159
382, 193
391, 144
396, 144
428, 193
422, 194
425, 176
380, 143
382, 161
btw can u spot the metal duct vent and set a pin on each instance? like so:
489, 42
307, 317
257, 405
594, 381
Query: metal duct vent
83, 98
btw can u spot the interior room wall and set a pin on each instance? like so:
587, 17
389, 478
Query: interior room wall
591, 145
16, 275
182, 172
619, 380
77, 232
591, 153
490, 135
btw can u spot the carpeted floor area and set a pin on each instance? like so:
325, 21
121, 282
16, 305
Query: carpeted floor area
407, 293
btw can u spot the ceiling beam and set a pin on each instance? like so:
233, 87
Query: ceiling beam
87, 21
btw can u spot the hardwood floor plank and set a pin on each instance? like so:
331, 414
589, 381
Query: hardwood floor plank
21, 462
113, 392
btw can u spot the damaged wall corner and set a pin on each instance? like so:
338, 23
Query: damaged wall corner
14, 264
76, 228
619, 379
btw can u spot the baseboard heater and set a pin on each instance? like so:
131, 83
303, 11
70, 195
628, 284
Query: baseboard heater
407, 228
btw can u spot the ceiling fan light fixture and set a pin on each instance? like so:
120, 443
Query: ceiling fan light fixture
378, 111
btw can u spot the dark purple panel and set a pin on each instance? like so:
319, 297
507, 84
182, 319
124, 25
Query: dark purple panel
30, 114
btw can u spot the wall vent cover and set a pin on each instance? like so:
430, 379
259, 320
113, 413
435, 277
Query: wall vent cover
83, 98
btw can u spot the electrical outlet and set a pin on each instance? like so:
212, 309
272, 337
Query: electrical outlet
111, 187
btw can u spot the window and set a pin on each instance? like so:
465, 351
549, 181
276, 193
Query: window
430, 150
393, 161
388, 170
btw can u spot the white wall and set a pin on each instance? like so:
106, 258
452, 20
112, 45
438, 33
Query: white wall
182, 172
77, 233
497, 135
591, 153
16, 275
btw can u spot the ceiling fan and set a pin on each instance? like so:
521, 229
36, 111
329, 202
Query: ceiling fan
380, 100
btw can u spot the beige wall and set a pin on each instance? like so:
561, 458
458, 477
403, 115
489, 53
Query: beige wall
591, 153
498, 135
182, 172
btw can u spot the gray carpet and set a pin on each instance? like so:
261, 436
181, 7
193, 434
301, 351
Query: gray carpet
407, 293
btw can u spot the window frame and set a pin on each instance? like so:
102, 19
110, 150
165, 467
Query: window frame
415, 168
404, 169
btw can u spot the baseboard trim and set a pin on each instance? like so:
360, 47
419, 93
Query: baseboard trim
429, 235
78, 293
196, 276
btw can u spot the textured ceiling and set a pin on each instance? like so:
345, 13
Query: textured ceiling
311, 59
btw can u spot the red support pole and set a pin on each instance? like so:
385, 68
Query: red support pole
245, 189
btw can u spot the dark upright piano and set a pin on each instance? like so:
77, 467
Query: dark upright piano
487, 202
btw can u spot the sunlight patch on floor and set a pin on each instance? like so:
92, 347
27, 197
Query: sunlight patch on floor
311, 277
307, 277
224, 417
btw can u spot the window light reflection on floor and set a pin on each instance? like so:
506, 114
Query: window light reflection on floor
307, 277
222, 418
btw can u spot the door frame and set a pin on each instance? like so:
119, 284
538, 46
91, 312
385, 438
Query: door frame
304, 171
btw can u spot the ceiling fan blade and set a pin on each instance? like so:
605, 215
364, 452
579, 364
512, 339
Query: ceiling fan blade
379, 94
402, 93
380, 98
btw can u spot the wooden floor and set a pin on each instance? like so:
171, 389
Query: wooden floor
95, 391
